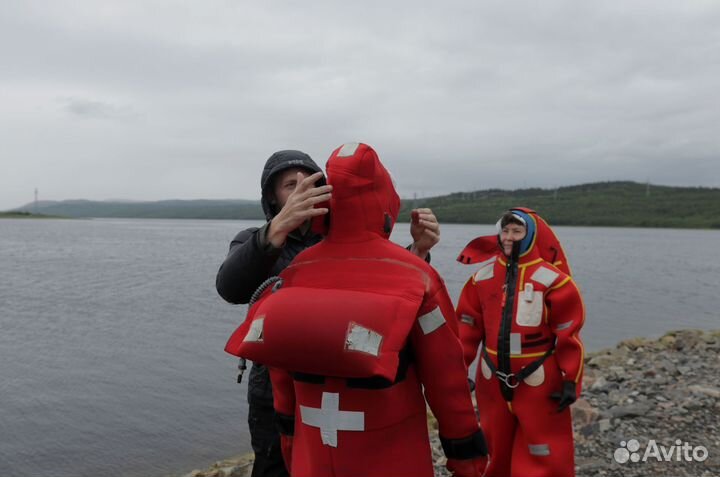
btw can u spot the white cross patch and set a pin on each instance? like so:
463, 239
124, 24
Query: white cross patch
330, 419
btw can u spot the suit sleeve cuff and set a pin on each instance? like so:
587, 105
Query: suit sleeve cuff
427, 257
466, 447
264, 244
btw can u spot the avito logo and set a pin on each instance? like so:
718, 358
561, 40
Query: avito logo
680, 452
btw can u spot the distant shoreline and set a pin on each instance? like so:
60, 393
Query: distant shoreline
23, 215
28, 215
601, 204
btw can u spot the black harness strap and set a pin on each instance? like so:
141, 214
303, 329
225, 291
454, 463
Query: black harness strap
504, 365
512, 380
373, 382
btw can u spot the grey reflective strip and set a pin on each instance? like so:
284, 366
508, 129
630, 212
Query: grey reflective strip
431, 321
256, 330
515, 346
528, 294
348, 149
541, 450
487, 262
564, 326
467, 319
330, 419
485, 273
363, 339
545, 276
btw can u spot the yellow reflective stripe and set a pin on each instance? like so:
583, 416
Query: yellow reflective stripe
534, 262
562, 283
582, 348
527, 355
582, 359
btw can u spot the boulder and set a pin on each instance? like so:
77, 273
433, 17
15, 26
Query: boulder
584, 413
630, 410
600, 384
705, 390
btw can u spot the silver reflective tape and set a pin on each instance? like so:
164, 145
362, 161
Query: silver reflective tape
515, 346
348, 149
467, 319
363, 339
541, 450
487, 262
528, 294
545, 276
530, 313
564, 326
430, 322
485, 273
330, 419
255, 333
537, 377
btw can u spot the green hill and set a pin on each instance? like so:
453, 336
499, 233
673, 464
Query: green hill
26, 215
599, 204
596, 204
164, 209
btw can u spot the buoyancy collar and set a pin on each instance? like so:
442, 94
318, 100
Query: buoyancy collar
544, 244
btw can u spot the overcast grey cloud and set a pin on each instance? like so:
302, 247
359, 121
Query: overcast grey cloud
158, 99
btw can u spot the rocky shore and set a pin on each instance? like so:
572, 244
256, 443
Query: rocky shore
649, 408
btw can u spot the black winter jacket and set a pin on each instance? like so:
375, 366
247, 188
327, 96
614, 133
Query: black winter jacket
252, 259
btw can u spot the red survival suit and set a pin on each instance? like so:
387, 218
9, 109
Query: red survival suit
354, 330
531, 349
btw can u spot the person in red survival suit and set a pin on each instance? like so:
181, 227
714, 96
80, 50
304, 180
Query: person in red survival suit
524, 307
353, 332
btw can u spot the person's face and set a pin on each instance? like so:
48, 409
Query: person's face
285, 184
509, 234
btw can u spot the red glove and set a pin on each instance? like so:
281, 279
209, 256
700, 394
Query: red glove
467, 467
286, 444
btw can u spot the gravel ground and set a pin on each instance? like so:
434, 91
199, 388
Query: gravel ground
640, 399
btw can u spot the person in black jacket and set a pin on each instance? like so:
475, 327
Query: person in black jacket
291, 185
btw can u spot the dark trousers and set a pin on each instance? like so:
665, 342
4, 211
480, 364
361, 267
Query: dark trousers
265, 441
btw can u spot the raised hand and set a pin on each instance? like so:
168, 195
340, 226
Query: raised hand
299, 207
425, 231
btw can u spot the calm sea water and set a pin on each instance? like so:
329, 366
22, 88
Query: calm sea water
112, 333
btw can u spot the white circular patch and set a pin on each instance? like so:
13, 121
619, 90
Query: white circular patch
536, 378
487, 374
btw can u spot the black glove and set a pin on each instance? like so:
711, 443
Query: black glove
566, 397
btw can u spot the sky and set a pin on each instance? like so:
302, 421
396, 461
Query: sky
151, 100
